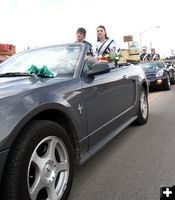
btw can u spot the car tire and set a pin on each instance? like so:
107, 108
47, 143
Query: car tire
40, 164
143, 110
167, 85
173, 78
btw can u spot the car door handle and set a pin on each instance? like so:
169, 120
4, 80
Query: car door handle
125, 77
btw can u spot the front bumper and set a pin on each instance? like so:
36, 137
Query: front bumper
157, 83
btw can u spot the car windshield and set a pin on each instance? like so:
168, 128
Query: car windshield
61, 60
151, 65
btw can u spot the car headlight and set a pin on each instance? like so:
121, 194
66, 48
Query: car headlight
160, 73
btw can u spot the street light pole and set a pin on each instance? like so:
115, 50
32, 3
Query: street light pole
148, 29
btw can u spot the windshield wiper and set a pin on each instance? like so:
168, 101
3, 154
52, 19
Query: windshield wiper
13, 74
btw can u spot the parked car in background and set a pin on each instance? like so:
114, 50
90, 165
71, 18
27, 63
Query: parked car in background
159, 75
56, 109
170, 62
6, 50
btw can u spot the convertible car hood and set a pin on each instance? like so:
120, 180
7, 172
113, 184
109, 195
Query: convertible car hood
12, 85
151, 71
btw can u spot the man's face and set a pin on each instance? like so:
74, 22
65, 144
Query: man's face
153, 51
80, 36
144, 50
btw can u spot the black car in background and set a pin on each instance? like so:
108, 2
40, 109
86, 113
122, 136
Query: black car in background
159, 75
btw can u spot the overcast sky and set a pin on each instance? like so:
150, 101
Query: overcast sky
43, 22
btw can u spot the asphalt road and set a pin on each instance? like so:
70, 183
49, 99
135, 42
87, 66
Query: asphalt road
136, 162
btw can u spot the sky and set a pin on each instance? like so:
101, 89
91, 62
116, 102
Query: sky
35, 23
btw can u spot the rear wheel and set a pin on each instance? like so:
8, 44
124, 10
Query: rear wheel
143, 111
40, 165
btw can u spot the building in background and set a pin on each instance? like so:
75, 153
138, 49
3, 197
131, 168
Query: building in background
132, 54
6, 50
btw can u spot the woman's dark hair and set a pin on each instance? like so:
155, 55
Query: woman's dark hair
101, 26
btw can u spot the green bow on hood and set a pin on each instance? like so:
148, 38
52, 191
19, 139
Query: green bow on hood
40, 72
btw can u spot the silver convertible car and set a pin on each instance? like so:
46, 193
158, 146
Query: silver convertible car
58, 107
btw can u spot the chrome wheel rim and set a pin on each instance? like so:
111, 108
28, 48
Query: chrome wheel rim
169, 83
48, 170
143, 105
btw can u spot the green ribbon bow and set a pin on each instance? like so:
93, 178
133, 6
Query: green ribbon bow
42, 72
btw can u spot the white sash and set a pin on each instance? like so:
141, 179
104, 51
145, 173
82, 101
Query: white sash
145, 56
104, 46
155, 56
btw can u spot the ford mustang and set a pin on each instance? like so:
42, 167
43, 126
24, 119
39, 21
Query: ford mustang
59, 106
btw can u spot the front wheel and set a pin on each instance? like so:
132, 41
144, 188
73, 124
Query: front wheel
143, 110
40, 165
167, 85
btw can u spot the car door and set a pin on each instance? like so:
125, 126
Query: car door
109, 98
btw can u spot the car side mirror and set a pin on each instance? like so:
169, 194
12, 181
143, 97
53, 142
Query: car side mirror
99, 68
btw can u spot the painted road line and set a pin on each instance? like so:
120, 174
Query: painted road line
153, 96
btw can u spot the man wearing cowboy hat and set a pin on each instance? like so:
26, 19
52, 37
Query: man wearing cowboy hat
145, 56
